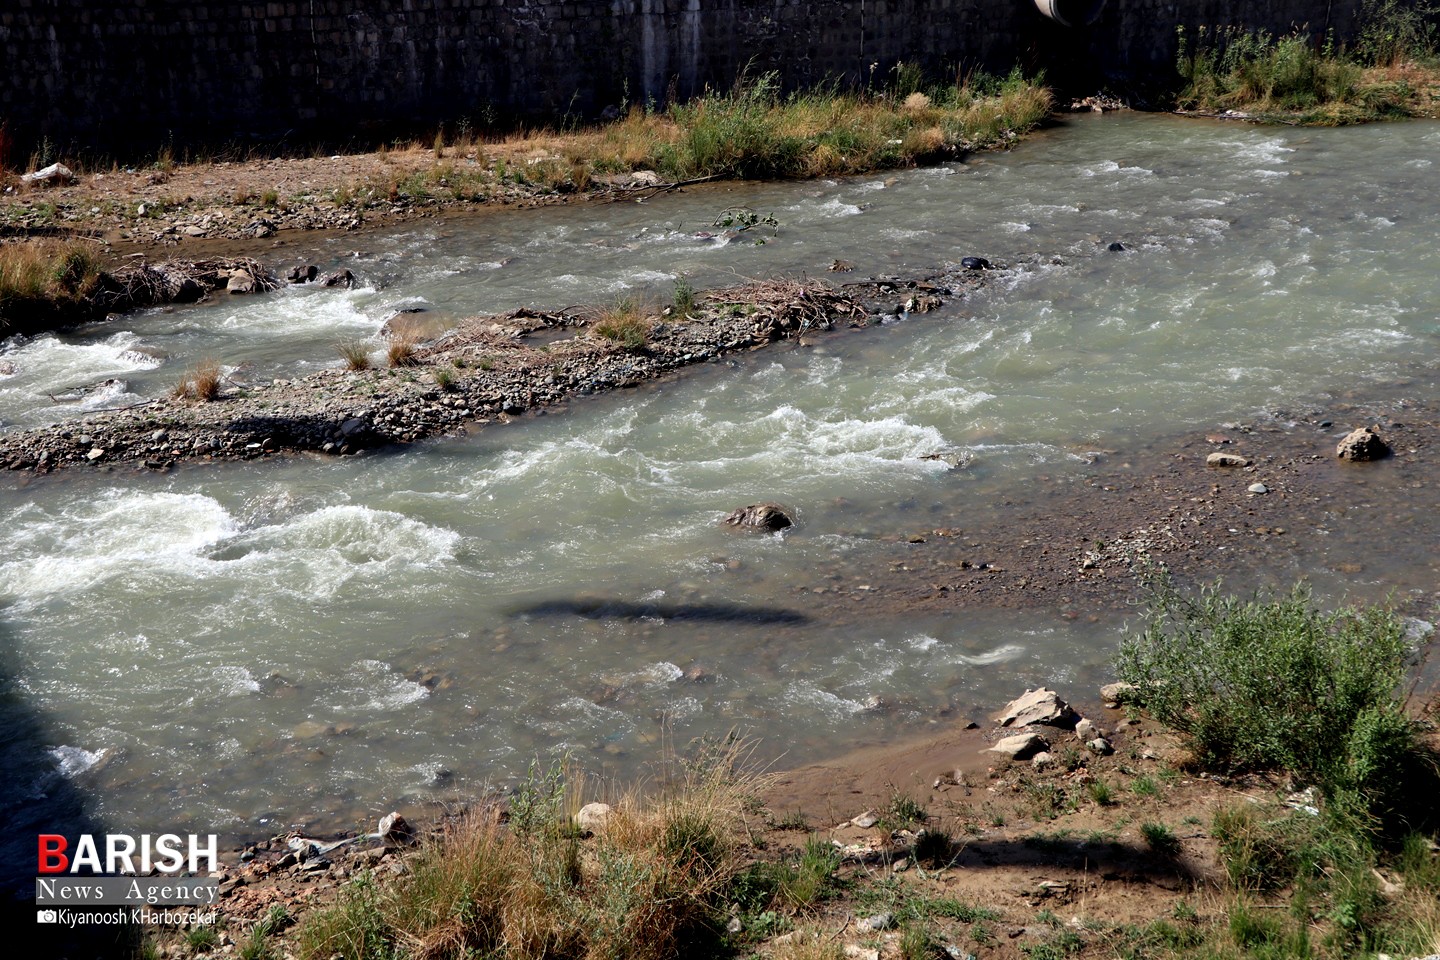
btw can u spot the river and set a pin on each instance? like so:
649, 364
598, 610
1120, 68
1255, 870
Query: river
252, 647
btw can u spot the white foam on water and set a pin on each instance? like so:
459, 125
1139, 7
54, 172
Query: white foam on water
656, 674
1011, 227
923, 642
385, 689
1001, 654
116, 534
807, 696
73, 761
638, 277
235, 681
301, 311
825, 210
318, 554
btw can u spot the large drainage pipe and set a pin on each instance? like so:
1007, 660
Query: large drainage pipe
1072, 13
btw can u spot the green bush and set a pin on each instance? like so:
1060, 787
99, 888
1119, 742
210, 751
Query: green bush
1277, 684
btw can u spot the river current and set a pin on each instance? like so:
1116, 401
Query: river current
249, 647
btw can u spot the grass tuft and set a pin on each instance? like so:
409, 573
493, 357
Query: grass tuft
653, 884
200, 382
625, 323
355, 354
402, 351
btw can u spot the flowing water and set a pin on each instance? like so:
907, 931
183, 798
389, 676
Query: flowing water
247, 647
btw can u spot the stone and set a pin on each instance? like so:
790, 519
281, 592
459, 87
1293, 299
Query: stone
304, 274
55, 173
1226, 460
338, 278
352, 426
240, 281
761, 516
395, 830
194, 231
1257, 488
1019, 747
975, 263
1086, 730
95, 453
866, 820
592, 817
1100, 747
1042, 760
1038, 706
1116, 247
1362, 444
1114, 694
880, 921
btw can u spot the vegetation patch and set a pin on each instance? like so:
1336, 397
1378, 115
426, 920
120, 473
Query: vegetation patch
1391, 71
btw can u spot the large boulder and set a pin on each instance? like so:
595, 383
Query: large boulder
1038, 706
761, 516
1362, 444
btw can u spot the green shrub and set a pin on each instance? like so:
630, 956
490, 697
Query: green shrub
1392, 31
1277, 684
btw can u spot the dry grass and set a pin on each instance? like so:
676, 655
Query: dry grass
201, 382
355, 354
45, 275
402, 350
626, 323
650, 885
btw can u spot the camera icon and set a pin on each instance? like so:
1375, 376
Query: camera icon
46, 916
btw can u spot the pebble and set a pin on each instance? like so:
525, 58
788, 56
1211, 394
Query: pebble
1258, 488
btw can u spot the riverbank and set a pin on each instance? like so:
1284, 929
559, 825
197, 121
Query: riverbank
1112, 841
752, 132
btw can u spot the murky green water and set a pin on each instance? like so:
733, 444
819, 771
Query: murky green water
254, 646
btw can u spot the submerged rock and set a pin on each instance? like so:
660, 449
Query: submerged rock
761, 516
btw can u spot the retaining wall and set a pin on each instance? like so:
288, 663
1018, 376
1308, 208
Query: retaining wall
120, 75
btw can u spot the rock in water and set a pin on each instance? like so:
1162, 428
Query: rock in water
1038, 706
338, 278
761, 516
975, 263
1362, 444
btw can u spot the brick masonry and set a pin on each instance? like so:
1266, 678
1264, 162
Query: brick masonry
127, 75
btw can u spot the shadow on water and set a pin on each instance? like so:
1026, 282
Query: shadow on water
35, 798
612, 609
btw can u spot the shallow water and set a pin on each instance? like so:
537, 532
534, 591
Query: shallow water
244, 648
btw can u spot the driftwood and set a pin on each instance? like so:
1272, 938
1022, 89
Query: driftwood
146, 284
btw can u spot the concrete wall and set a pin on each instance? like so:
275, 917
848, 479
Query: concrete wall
127, 75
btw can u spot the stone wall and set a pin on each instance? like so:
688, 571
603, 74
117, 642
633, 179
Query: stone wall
128, 75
